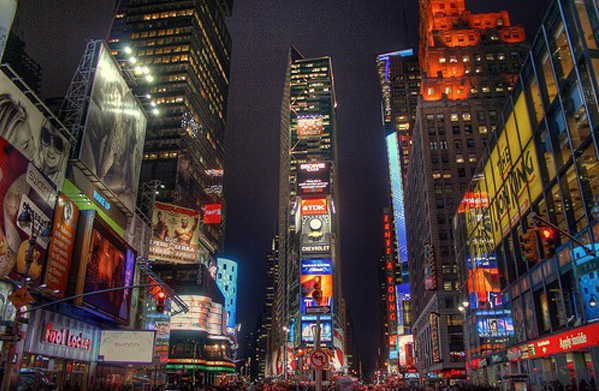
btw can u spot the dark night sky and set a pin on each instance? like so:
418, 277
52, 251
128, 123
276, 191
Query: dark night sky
352, 32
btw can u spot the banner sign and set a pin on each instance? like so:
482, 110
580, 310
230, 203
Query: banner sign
213, 213
60, 251
175, 234
314, 207
310, 126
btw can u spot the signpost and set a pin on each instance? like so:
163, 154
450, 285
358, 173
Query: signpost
319, 359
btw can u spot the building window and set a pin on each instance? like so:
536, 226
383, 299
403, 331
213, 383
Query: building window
431, 131
436, 174
433, 145
459, 158
454, 117
466, 116
443, 144
440, 118
446, 174
482, 129
458, 144
470, 143
455, 129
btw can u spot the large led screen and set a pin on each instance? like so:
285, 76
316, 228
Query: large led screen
314, 179
316, 283
175, 234
308, 329
110, 264
126, 346
115, 129
22, 187
28, 130
203, 315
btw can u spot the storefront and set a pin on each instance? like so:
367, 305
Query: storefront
59, 351
570, 358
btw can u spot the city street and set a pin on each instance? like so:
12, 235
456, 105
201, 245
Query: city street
299, 195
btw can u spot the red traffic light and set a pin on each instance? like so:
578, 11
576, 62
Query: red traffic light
546, 233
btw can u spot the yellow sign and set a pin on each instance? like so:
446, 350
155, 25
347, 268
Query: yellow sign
20, 297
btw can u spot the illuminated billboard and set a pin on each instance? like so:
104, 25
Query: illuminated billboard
29, 131
204, 315
115, 129
314, 179
8, 9
227, 283
310, 126
109, 263
175, 234
308, 329
395, 177
404, 349
213, 213
126, 346
316, 234
495, 327
22, 187
60, 252
316, 283
314, 207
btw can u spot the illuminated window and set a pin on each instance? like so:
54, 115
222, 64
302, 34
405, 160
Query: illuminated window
446, 174
486, 89
459, 158
466, 116
472, 158
442, 60
466, 59
436, 174
453, 59
501, 56
430, 91
448, 90
482, 129
455, 117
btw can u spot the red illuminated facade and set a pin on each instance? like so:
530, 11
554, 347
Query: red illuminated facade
469, 63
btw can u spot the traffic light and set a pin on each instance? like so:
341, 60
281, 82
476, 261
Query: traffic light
528, 246
160, 296
548, 238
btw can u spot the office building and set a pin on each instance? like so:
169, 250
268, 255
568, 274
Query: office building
226, 279
309, 273
530, 290
469, 63
183, 49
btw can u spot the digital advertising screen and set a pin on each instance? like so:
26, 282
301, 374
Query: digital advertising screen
316, 283
110, 264
308, 328
314, 179
314, 207
316, 234
203, 315
126, 346
29, 131
495, 327
115, 129
175, 234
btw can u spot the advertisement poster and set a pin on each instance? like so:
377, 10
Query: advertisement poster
175, 234
404, 347
160, 323
316, 234
8, 9
24, 126
213, 213
316, 283
60, 250
308, 328
126, 346
22, 186
203, 315
310, 126
314, 179
115, 129
110, 264
314, 207
495, 327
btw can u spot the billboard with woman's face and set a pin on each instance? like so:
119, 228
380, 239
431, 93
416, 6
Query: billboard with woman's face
26, 128
115, 129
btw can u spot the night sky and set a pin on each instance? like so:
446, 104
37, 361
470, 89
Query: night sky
352, 32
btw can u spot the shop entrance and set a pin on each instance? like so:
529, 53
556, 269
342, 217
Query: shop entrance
40, 373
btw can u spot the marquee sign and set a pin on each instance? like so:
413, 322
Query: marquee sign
65, 336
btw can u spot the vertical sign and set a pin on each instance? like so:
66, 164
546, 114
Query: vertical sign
60, 250
435, 343
390, 272
430, 267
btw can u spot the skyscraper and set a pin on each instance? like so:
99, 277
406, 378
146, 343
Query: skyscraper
309, 271
183, 47
469, 63
399, 75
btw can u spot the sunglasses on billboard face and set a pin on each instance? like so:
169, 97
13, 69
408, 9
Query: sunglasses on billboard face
48, 138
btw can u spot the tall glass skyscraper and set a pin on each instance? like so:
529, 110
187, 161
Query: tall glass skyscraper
309, 273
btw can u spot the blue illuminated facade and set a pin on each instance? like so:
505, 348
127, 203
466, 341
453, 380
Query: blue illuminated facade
397, 197
226, 279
